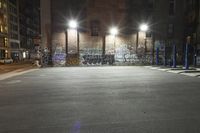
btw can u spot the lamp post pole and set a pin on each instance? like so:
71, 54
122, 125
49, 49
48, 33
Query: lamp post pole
114, 44
145, 44
72, 24
144, 28
137, 41
157, 56
78, 43
104, 45
186, 57
165, 54
186, 53
66, 46
114, 31
174, 56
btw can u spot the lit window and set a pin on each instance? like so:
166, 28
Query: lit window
1, 28
6, 42
6, 29
4, 5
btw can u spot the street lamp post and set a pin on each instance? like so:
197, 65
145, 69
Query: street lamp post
174, 56
143, 28
72, 24
114, 31
78, 42
186, 53
66, 41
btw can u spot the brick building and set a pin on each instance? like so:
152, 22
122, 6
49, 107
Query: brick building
9, 28
4, 47
19, 24
93, 40
191, 28
166, 20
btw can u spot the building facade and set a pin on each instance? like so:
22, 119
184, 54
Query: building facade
29, 19
4, 46
13, 30
10, 44
192, 29
91, 43
19, 26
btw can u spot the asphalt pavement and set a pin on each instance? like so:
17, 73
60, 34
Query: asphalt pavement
100, 100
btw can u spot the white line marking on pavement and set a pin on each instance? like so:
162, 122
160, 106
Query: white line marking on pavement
15, 73
42, 75
163, 69
154, 68
175, 71
182, 72
191, 74
14, 82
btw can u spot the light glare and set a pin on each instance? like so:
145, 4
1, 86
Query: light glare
73, 24
114, 31
144, 27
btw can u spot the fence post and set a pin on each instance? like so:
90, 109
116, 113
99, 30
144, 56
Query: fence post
186, 57
174, 56
165, 62
195, 58
157, 56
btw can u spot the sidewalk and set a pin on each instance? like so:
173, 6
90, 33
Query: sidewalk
15, 66
10, 70
192, 72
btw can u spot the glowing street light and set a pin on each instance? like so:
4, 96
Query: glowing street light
114, 31
144, 27
73, 24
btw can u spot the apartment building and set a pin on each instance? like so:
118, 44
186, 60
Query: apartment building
4, 46
13, 30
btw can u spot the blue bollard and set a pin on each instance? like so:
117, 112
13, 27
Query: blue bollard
174, 56
165, 60
157, 56
186, 58
152, 57
195, 58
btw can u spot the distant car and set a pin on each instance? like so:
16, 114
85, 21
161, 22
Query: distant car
6, 60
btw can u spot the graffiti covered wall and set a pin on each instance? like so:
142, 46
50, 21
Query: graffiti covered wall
58, 49
118, 50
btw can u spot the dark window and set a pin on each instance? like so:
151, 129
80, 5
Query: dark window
2, 53
14, 36
171, 30
2, 44
14, 45
148, 34
95, 28
171, 7
13, 2
92, 3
